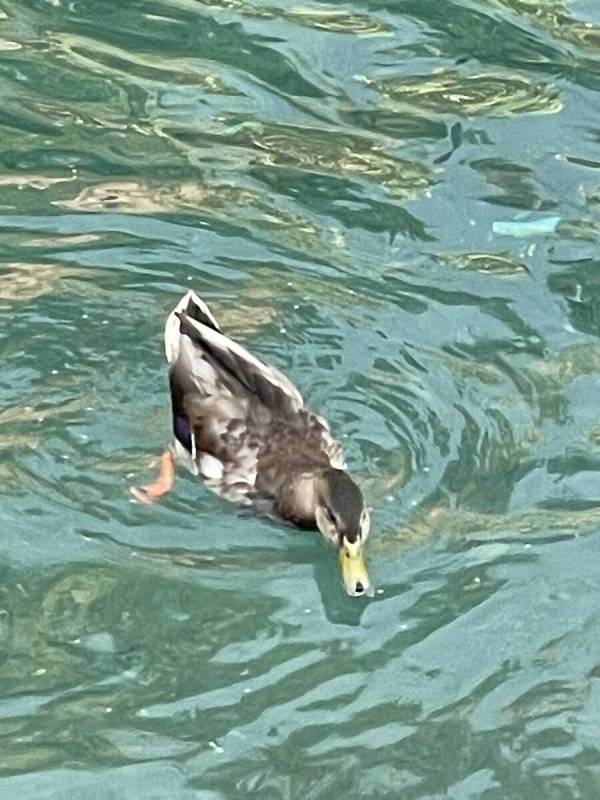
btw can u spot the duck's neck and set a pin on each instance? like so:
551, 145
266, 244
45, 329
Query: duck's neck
297, 500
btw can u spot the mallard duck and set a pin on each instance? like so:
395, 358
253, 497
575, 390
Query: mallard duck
242, 427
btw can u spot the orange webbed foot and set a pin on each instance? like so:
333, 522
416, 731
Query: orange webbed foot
161, 486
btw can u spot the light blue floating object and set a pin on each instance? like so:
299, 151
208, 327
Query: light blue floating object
534, 227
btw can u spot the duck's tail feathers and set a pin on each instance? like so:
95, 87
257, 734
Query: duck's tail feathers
192, 306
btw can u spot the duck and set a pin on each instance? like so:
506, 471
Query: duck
243, 429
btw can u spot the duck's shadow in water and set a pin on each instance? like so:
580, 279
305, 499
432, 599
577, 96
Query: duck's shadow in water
306, 548
338, 606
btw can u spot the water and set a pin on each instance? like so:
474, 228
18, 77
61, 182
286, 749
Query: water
328, 177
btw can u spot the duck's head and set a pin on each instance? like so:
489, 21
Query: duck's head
342, 518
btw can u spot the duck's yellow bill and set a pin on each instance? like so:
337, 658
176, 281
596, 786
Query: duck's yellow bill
354, 570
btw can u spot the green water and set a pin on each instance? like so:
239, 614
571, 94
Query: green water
328, 177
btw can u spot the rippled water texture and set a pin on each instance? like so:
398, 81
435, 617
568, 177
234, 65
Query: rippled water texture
398, 203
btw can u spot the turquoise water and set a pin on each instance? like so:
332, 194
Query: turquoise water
398, 203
